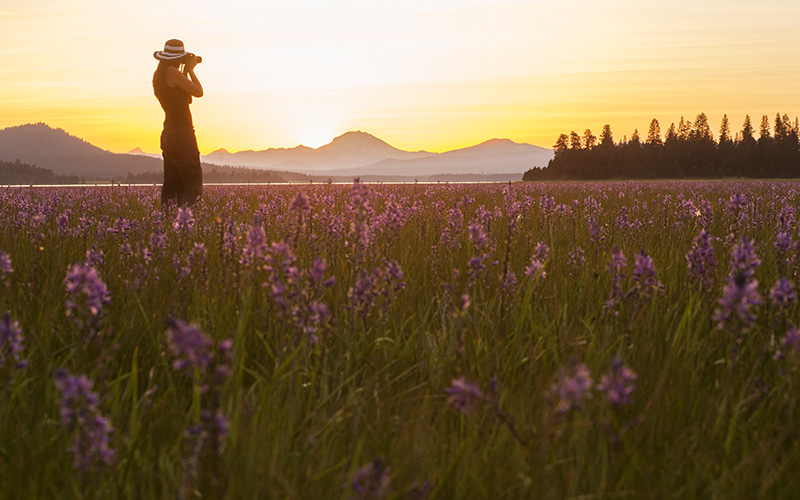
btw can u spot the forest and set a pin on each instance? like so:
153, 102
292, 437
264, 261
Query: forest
687, 150
17, 172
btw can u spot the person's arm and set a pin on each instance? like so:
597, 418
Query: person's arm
187, 82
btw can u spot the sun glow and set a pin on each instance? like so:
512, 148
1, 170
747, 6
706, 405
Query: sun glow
420, 74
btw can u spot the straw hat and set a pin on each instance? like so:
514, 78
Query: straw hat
173, 50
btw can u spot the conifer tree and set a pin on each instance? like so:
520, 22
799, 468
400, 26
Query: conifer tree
606, 138
764, 130
724, 130
747, 129
561, 145
589, 139
654, 134
574, 140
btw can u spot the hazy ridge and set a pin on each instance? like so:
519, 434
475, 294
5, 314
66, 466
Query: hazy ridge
351, 154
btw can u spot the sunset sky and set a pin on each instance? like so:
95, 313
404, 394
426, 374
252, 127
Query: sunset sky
420, 74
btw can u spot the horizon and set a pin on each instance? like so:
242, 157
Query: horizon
425, 75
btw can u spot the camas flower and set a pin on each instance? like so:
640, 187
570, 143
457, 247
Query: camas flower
782, 294
464, 395
645, 278
184, 220
739, 297
300, 203
572, 388
790, 344
91, 440
744, 258
11, 343
6, 269
189, 346
87, 295
372, 480
256, 245
618, 384
701, 260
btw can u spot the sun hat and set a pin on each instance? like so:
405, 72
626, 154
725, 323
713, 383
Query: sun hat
173, 50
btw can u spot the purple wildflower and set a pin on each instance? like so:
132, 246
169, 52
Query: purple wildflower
394, 277
91, 440
790, 344
196, 260
256, 244
477, 235
744, 258
189, 346
782, 294
576, 258
645, 278
701, 260
572, 388
184, 221
372, 480
87, 295
618, 384
783, 242
617, 268
739, 297
536, 268
6, 269
464, 395
300, 203
11, 343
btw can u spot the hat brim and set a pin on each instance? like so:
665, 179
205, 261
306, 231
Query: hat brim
164, 56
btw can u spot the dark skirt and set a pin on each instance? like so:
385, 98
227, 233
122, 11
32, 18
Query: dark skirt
183, 175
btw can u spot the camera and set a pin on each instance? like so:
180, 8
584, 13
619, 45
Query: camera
197, 58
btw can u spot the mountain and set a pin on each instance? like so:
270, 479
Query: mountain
351, 149
139, 152
64, 154
495, 156
348, 155
361, 154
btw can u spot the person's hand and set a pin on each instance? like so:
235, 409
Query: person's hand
189, 62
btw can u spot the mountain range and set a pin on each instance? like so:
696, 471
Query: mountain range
348, 155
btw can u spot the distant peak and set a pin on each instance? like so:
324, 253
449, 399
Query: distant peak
355, 134
136, 151
221, 151
498, 142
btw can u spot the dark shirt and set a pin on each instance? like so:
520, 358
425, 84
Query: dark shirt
175, 103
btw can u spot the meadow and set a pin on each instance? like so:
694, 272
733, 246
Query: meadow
527, 340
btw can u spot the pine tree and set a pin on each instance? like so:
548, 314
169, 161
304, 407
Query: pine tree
635, 140
747, 129
560, 145
672, 134
606, 138
684, 129
574, 140
724, 130
701, 130
764, 130
589, 140
654, 134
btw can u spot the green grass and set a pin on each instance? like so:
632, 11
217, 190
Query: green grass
706, 420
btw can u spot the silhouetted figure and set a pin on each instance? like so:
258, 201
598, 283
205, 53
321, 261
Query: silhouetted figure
174, 84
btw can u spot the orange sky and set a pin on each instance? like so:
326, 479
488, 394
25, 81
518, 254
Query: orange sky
420, 74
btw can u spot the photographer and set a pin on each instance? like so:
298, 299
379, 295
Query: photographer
174, 84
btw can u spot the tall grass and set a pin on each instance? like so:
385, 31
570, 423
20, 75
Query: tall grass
317, 406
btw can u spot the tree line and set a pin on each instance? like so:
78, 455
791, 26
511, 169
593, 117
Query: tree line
21, 173
688, 150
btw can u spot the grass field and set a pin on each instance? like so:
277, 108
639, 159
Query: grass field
552, 340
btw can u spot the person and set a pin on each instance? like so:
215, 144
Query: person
174, 84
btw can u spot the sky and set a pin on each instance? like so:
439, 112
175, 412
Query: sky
429, 75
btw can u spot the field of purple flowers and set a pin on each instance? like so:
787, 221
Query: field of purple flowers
551, 340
